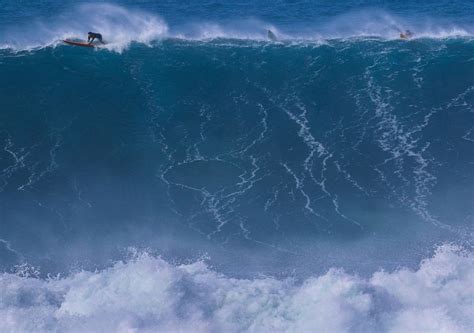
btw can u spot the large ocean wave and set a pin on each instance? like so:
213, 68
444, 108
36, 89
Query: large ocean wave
337, 146
287, 148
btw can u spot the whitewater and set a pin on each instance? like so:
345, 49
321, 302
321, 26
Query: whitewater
147, 294
194, 176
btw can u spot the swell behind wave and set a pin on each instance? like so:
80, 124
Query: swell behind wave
148, 294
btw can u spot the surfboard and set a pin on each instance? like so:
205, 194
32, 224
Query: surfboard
77, 43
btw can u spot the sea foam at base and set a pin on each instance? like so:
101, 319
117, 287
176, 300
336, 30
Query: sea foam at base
148, 294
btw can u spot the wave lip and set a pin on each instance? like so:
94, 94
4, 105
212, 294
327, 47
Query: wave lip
118, 25
121, 26
149, 294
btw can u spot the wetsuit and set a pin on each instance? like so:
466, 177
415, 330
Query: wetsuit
91, 36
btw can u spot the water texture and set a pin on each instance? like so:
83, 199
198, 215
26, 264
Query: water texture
192, 175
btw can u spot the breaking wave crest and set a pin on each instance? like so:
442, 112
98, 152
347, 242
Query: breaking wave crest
122, 26
118, 25
149, 294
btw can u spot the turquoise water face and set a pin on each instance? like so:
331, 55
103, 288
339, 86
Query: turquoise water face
348, 150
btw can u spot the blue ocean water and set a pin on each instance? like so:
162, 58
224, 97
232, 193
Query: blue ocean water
192, 175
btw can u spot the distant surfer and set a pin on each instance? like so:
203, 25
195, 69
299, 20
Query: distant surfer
271, 36
91, 36
406, 35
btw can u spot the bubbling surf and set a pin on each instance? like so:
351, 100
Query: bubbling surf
148, 294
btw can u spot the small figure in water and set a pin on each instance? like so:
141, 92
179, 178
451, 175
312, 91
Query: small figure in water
91, 36
271, 36
406, 35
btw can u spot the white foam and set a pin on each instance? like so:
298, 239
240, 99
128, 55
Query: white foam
249, 29
149, 294
383, 24
357, 24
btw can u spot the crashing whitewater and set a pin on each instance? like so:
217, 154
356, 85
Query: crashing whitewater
148, 294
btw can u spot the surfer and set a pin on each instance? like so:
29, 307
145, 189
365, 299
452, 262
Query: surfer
406, 35
91, 36
271, 36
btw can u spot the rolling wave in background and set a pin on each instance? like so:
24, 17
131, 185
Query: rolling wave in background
196, 176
